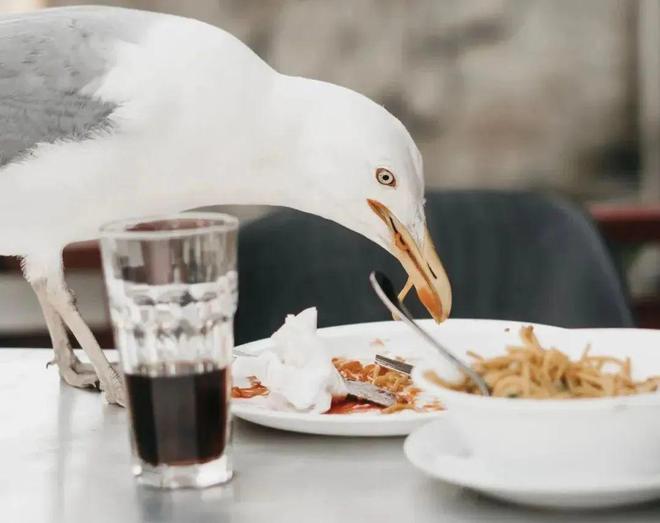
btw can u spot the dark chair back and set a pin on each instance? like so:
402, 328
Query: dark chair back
509, 255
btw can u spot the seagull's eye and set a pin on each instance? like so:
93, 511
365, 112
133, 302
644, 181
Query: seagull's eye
385, 177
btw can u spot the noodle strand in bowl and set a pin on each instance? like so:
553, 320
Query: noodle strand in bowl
531, 371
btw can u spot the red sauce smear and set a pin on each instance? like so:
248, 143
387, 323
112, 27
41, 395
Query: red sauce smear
351, 406
255, 389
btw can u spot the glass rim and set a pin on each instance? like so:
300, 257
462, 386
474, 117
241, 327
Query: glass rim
219, 222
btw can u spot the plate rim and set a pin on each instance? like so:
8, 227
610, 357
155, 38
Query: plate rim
356, 419
522, 486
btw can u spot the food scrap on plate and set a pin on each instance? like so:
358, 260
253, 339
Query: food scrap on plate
398, 384
299, 374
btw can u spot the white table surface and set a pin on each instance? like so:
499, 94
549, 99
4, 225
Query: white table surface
65, 458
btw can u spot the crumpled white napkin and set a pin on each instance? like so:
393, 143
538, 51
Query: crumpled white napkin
298, 370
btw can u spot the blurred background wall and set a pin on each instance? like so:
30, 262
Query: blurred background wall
553, 95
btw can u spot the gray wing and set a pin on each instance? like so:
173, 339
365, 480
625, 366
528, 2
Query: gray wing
46, 59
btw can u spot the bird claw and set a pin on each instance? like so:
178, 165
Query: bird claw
112, 386
83, 376
78, 376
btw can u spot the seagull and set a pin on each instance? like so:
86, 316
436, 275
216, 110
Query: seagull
110, 113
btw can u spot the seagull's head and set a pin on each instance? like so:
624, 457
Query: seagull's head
362, 169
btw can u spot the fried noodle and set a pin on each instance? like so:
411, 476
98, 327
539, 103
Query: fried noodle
398, 384
531, 371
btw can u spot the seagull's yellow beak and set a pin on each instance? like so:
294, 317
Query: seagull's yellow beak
425, 271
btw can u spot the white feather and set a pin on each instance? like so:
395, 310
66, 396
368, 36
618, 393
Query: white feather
202, 121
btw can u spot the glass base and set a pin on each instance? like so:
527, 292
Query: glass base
214, 472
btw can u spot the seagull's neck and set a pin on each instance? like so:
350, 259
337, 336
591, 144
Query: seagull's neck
242, 138
274, 169
241, 132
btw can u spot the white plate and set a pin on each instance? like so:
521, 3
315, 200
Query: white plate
351, 341
437, 450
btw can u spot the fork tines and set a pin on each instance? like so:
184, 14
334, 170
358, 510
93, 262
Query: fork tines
395, 365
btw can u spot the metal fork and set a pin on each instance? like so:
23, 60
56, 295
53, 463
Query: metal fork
385, 291
395, 365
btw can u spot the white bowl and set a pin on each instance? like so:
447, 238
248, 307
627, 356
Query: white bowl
578, 438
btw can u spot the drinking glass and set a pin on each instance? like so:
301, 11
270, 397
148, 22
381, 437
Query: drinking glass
172, 289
